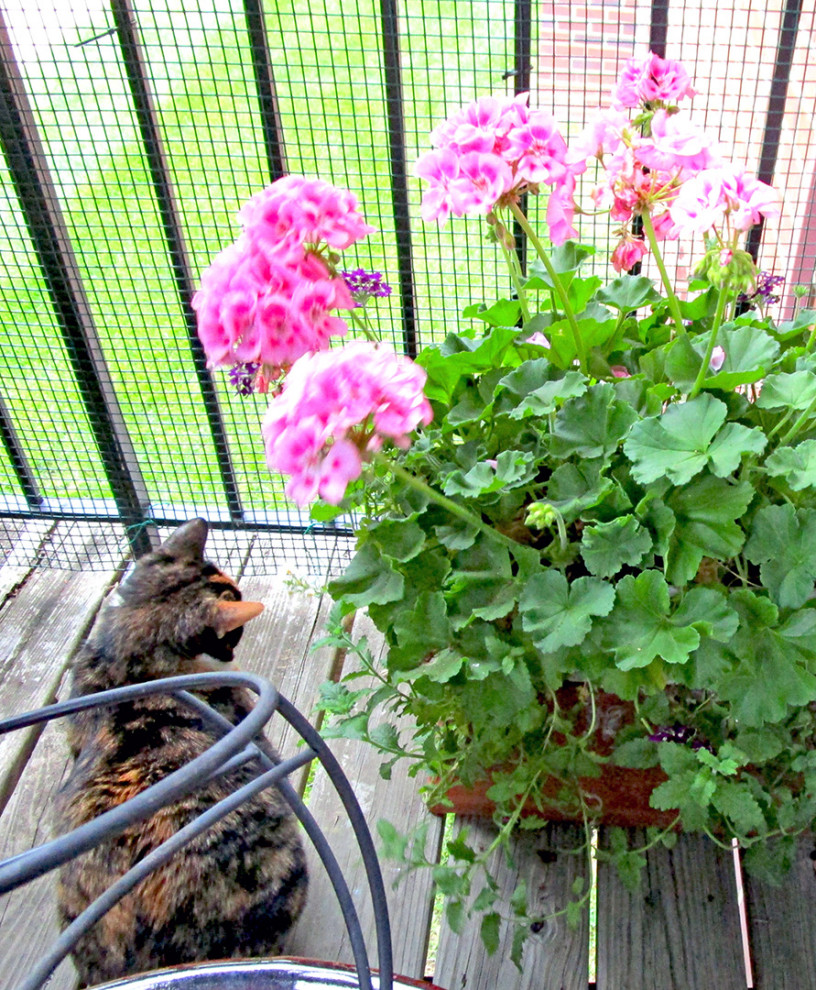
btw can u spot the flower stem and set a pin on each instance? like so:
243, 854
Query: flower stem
811, 339
561, 292
797, 426
701, 374
516, 275
441, 500
363, 325
674, 305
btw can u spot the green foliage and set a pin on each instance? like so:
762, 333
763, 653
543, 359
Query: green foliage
652, 537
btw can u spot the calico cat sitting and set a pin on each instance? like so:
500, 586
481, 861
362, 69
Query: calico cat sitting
235, 890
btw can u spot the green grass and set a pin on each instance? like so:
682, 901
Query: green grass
327, 62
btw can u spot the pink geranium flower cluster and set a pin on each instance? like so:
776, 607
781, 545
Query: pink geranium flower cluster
336, 408
489, 153
269, 297
643, 173
663, 165
651, 80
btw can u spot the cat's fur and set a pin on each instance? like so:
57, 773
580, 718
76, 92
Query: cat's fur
235, 890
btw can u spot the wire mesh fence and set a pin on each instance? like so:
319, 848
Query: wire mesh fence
133, 131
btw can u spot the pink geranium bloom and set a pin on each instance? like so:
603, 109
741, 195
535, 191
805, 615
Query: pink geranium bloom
717, 358
268, 298
560, 213
482, 180
717, 195
676, 145
651, 79
295, 210
337, 407
602, 135
439, 168
628, 253
491, 152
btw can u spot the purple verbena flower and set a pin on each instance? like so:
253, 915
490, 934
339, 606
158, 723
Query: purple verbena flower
363, 284
764, 292
685, 735
676, 733
242, 377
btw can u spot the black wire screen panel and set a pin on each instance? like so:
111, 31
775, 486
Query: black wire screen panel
133, 131
235, 747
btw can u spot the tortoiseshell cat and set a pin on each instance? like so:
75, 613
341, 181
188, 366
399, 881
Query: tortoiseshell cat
236, 889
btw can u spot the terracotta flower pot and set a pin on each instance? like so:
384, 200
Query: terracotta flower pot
620, 796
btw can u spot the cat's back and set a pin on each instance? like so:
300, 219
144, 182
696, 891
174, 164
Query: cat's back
236, 889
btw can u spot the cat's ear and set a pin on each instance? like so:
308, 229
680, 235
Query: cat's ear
231, 615
188, 540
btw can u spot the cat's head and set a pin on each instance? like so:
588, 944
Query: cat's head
176, 598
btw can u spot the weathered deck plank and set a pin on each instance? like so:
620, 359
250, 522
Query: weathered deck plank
322, 934
556, 956
278, 645
28, 920
22, 557
782, 926
679, 930
39, 629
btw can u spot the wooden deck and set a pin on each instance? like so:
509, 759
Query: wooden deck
680, 931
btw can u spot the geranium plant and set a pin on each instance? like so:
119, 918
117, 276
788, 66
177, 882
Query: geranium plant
608, 486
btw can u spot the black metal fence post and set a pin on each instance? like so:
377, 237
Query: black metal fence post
265, 83
659, 27
776, 107
43, 216
17, 458
399, 173
135, 67
523, 30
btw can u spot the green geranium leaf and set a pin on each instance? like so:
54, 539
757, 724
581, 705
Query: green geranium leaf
420, 630
687, 438
775, 663
565, 259
445, 665
682, 362
629, 292
796, 390
797, 465
558, 614
701, 306
481, 583
749, 354
593, 424
470, 408
573, 488
368, 580
783, 543
581, 292
504, 313
537, 395
607, 547
456, 535
709, 612
458, 357
705, 513
791, 328
511, 469
640, 628
400, 539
